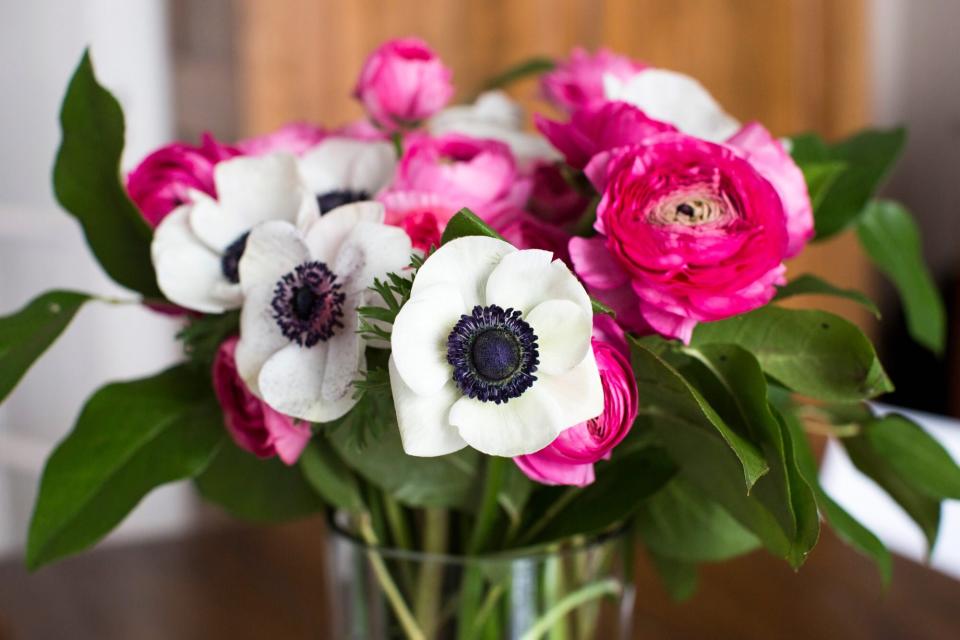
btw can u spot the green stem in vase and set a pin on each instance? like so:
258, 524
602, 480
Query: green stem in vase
489, 508
608, 587
430, 584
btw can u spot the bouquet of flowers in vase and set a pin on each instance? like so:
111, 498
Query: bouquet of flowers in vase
478, 343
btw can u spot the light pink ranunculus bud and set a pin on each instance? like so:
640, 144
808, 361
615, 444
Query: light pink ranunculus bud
163, 180
423, 216
692, 227
577, 82
253, 424
569, 459
402, 83
295, 138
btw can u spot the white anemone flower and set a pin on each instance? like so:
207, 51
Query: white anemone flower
342, 170
675, 98
492, 350
495, 116
299, 348
196, 249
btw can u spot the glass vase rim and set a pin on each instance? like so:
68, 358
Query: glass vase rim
564, 547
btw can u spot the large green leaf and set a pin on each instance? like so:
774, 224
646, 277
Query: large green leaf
26, 334
615, 495
915, 455
329, 476
808, 284
867, 157
467, 223
86, 180
819, 177
736, 387
680, 522
258, 490
846, 526
678, 576
892, 240
814, 353
130, 438
667, 393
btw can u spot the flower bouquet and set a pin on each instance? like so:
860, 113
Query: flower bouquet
496, 359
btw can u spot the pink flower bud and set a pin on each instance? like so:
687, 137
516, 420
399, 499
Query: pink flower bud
578, 81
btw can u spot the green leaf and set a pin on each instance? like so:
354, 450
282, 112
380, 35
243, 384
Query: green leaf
678, 577
891, 239
868, 157
814, 353
680, 522
738, 391
130, 438
914, 454
203, 336
444, 481
599, 307
259, 490
666, 393
86, 181
329, 476
846, 526
26, 334
514, 492
921, 507
466, 223
808, 284
615, 495
819, 177
531, 67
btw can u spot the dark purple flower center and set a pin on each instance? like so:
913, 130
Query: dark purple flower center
308, 304
493, 353
230, 262
333, 199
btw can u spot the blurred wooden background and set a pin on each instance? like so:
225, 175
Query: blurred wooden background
247, 66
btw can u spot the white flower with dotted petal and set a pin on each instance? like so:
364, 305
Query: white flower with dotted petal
196, 249
492, 350
299, 348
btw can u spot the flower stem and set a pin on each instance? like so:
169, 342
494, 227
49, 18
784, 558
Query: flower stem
608, 587
431, 573
480, 539
406, 619
554, 509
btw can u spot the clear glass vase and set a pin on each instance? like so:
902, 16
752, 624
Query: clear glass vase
580, 590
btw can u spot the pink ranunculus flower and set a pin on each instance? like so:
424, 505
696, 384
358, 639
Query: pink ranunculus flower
600, 127
578, 81
768, 157
525, 231
295, 138
463, 172
553, 199
693, 228
402, 83
164, 179
253, 424
422, 215
569, 459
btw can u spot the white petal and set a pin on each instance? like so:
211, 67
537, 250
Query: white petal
273, 249
425, 429
526, 278
563, 334
678, 99
345, 355
465, 263
517, 427
369, 251
419, 337
291, 381
328, 232
257, 189
188, 272
212, 224
347, 164
577, 395
260, 337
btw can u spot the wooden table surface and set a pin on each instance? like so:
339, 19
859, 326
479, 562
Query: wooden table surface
241, 582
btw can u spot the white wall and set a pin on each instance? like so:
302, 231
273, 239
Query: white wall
40, 247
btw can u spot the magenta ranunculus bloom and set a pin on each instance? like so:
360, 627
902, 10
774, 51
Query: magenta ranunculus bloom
295, 138
402, 83
569, 459
164, 179
525, 231
252, 424
600, 127
768, 156
422, 215
463, 172
553, 199
692, 227
577, 82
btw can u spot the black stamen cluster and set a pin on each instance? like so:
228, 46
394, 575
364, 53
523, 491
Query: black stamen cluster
332, 199
230, 262
308, 304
